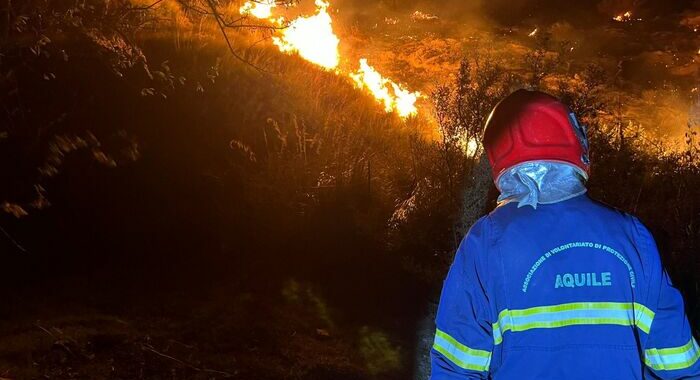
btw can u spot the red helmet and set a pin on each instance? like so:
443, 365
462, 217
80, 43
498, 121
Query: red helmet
533, 126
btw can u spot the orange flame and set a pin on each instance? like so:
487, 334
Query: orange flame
392, 95
259, 8
627, 16
312, 37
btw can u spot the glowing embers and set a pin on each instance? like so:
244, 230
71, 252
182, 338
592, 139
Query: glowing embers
625, 17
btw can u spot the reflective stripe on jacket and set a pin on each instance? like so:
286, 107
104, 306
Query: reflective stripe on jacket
571, 290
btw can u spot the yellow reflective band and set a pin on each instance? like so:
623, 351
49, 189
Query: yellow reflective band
571, 314
461, 355
673, 358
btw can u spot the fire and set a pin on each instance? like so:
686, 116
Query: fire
626, 18
312, 37
469, 146
258, 8
392, 95
623, 17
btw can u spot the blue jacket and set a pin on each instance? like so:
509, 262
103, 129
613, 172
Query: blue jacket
571, 290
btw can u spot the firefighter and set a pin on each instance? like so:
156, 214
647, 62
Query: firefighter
552, 284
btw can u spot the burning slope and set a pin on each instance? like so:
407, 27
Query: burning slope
401, 100
312, 37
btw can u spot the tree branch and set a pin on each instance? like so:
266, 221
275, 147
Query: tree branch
222, 27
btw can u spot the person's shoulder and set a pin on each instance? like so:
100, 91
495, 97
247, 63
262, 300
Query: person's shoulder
632, 220
505, 212
638, 231
642, 233
479, 234
606, 208
480, 228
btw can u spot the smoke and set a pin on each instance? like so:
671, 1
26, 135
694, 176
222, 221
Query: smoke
514, 12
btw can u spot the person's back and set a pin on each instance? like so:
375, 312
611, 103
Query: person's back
566, 289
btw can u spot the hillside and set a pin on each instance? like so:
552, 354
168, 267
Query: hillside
171, 211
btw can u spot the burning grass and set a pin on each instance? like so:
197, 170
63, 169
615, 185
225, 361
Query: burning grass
313, 38
251, 173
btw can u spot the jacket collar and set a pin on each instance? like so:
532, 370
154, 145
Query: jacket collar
540, 182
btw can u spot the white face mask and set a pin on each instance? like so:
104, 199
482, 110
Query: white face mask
540, 182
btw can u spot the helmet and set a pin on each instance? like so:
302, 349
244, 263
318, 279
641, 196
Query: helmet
533, 126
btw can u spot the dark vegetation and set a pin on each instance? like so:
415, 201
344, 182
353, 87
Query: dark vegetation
169, 211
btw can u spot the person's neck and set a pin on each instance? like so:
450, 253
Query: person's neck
540, 182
